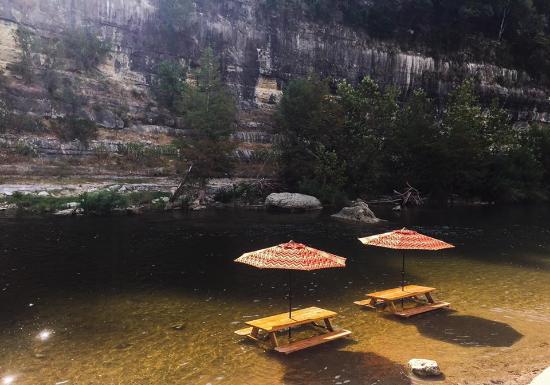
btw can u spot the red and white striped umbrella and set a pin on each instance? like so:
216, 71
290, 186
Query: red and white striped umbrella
291, 256
405, 240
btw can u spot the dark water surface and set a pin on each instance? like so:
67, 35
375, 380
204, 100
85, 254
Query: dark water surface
106, 292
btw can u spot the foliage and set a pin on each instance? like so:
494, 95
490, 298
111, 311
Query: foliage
169, 84
208, 106
364, 140
24, 67
102, 202
38, 204
250, 193
72, 128
209, 109
5, 116
85, 48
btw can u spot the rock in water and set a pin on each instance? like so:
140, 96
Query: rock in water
359, 211
542, 379
292, 201
424, 368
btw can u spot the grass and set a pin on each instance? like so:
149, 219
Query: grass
97, 202
37, 203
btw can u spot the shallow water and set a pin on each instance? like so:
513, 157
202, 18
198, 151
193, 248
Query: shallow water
111, 290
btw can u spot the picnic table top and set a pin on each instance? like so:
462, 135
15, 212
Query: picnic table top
399, 293
281, 321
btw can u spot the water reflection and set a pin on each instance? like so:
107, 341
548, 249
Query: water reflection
155, 299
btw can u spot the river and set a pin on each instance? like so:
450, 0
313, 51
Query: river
154, 299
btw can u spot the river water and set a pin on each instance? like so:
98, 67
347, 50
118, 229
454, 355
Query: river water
154, 299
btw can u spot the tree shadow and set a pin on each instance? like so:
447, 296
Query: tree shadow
466, 330
325, 365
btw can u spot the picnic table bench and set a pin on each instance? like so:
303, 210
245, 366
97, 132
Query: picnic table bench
268, 326
387, 298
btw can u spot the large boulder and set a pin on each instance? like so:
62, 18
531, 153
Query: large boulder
424, 368
359, 211
292, 201
542, 379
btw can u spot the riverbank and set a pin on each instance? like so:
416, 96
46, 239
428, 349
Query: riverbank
131, 195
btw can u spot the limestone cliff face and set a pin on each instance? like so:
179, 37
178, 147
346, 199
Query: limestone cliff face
259, 50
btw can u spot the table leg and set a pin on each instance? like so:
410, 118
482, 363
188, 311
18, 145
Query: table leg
328, 325
429, 298
254, 332
273, 339
392, 306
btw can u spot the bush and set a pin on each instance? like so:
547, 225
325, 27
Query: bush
102, 202
70, 128
24, 149
38, 204
85, 48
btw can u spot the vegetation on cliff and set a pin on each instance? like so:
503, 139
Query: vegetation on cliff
363, 140
207, 108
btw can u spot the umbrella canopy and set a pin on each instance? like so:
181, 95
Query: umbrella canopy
405, 240
291, 256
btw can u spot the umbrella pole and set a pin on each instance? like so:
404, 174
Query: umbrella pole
289, 300
403, 280
403, 273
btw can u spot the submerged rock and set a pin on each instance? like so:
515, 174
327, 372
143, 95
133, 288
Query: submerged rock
424, 368
292, 201
359, 211
542, 379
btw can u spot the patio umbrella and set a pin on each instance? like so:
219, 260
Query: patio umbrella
291, 256
405, 240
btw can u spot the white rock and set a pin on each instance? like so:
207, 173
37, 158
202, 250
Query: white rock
66, 212
73, 205
542, 379
359, 211
293, 201
43, 194
424, 368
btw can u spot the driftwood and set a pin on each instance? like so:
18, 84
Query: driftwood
411, 196
181, 188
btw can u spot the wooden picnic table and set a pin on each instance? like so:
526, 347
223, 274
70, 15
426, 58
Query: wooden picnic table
387, 298
309, 316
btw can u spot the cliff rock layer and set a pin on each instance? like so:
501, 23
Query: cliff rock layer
260, 50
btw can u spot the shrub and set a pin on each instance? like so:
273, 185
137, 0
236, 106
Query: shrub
24, 39
24, 149
38, 204
169, 84
70, 128
5, 116
85, 48
102, 202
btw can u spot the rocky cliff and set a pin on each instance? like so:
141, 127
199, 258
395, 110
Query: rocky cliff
260, 50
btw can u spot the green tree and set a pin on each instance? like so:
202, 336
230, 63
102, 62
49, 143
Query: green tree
210, 110
24, 38
310, 121
85, 48
208, 106
168, 86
